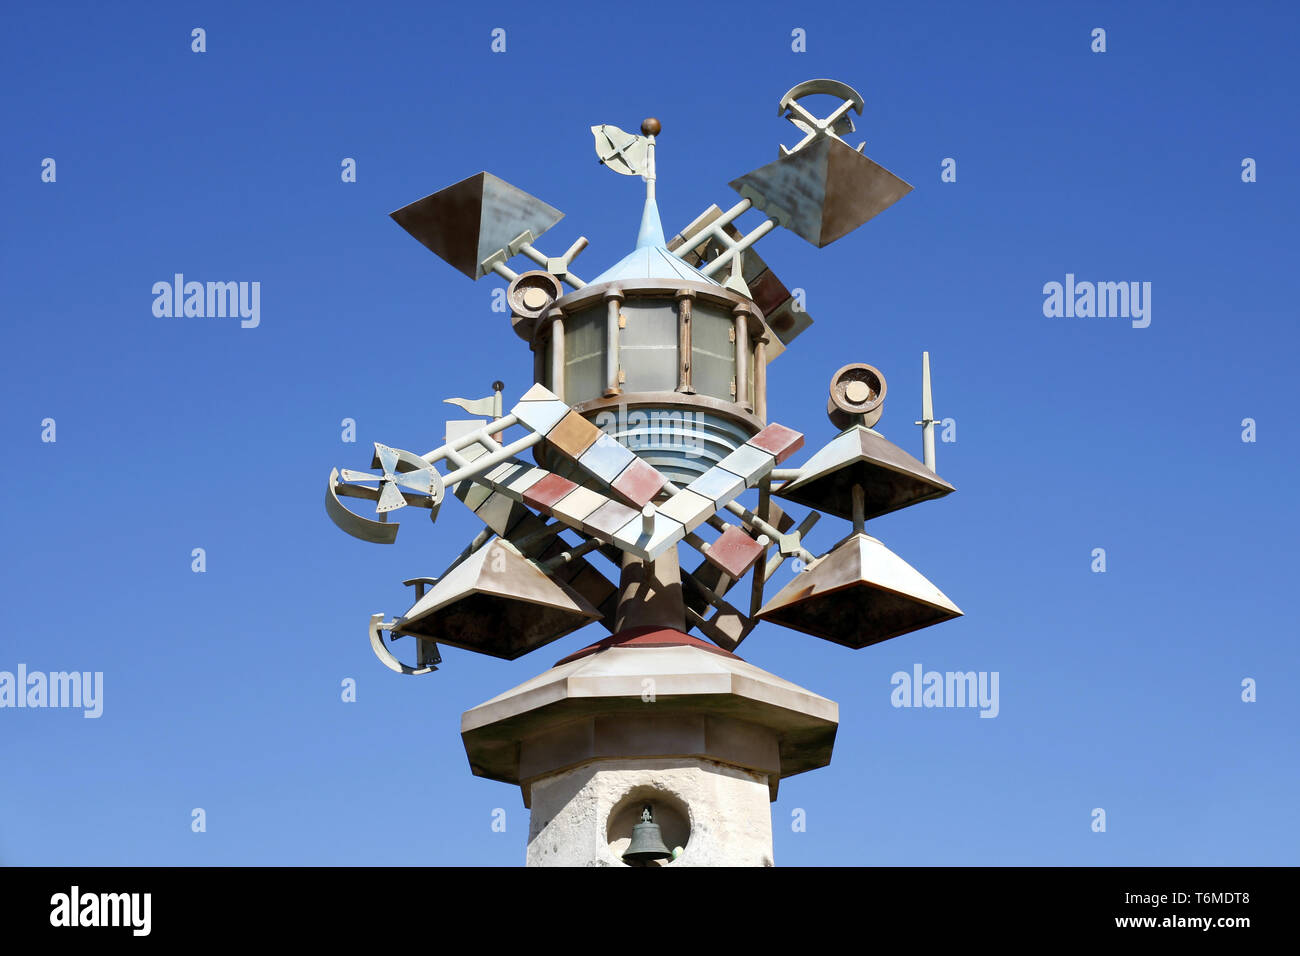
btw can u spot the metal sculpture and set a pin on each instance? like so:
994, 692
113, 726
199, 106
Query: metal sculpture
648, 425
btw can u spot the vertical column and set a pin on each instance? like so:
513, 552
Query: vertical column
613, 302
741, 314
760, 378
650, 593
557, 353
684, 301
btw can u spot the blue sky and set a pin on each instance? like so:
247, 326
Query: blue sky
1119, 690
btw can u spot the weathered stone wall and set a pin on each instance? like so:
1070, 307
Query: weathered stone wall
720, 815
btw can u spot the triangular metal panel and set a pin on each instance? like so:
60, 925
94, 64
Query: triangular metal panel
890, 478
473, 219
823, 191
498, 603
858, 595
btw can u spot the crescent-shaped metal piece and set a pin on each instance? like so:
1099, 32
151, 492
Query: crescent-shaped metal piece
379, 532
830, 87
835, 125
385, 657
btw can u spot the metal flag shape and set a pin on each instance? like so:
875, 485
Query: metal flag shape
475, 406
625, 153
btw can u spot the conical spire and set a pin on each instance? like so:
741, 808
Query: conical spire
650, 259
651, 233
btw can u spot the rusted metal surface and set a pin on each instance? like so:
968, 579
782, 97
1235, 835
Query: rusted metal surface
859, 594
498, 603
467, 223
822, 192
891, 478
650, 418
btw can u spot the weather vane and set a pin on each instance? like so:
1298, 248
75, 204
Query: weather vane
645, 437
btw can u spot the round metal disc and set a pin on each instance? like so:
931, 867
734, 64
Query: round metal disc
529, 295
857, 389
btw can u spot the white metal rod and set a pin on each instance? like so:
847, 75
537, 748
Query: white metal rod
481, 435
532, 252
927, 412
753, 237
713, 228
650, 167
480, 465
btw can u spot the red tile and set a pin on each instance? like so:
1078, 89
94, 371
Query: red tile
547, 492
778, 441
734, 552
639, 483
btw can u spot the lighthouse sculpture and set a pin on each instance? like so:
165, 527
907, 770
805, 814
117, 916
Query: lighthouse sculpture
646, 437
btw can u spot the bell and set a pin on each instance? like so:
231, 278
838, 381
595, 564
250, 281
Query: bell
647, 843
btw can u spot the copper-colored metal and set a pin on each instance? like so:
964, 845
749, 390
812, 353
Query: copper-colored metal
858, 595
684, 297
650, 593
613, 302
890, 477
781, 313
759, 579
651, 126
858, 389
741, 313
498, 603
580, 299
760, 378
557, 352
633, 400
469, 222
528, 296
823, 191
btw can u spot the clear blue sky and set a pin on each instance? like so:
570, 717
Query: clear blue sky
1119, 690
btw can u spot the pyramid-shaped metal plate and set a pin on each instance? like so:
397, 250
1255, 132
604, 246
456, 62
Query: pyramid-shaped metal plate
477, 217
858, 595
497, 603
890, 477
823, 191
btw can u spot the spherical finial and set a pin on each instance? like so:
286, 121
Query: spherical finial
650, 126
